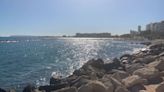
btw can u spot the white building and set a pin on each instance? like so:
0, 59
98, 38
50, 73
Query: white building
157, 26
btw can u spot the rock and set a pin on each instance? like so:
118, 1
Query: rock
119, 75
92, 67
156, 48
107, 82
2, 90
133, 67
126, 58
147, 73
69, 89
160, 87
13, 90
121, 89
29, 88
137, 88
81, 80
94, 86
158, 64
132, 80
115, 64
145, 60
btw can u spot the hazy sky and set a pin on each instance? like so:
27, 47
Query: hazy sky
58, 17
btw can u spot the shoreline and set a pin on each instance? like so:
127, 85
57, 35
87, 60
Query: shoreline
129, 73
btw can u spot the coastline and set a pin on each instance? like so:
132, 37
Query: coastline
129, 73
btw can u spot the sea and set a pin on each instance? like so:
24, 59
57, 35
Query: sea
32, 60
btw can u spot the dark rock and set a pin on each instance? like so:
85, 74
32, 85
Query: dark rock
2, 90
68, 89
115, 64
160, 88
29, 88
137, 88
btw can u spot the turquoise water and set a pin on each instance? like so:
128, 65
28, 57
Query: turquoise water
26, 60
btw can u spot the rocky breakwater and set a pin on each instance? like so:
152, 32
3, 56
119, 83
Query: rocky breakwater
139, 72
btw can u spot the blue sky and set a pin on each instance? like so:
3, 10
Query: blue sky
59, 17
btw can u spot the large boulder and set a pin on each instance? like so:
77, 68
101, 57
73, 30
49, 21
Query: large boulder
130, 68
145, 60
119, 75
68, 89
92, 67
158, 64
132, 80
29, 88
160, 88
94, 86
108, 83
147, 73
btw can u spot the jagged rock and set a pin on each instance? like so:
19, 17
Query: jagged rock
147, 73
119, 75
69, 89
94, 86
115, 64
160, 88
92, 67
158, 64
132, 80
156, 48
2, 90
121, 89
130, 68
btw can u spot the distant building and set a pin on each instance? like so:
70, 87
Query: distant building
93, 35
139, 28
133, 32
157, 26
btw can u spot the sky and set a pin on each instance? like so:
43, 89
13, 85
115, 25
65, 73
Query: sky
67, 17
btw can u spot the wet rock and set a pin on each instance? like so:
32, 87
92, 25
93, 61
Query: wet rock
160, 88
132, 80
158, 64
69, 89
126, 58
147, 73
115, 64
2, 90
94, 86
29, 88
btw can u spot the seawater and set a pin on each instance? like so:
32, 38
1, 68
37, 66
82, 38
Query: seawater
33, 60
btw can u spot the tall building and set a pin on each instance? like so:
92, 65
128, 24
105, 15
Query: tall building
157, 26
139, 28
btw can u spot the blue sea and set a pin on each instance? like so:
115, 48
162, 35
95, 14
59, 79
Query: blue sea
33, 60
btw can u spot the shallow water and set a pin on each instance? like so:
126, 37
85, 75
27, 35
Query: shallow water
33, 59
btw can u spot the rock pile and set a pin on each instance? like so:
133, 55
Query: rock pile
129, 73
